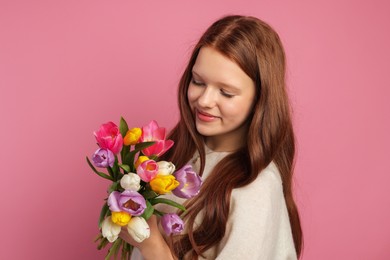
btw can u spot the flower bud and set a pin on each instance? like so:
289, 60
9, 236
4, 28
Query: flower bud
120, 218
110, 230
190, 182
109, 137
140, 160
138, 229
172, 224
129, 201
163, 184
132, 136
147, 170
165, 168
103, 158
131, 181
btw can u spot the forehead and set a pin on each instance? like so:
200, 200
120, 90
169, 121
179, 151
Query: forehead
213, 67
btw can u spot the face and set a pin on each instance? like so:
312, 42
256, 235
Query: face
221, 96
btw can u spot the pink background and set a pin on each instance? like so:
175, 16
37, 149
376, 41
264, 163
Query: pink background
68, 66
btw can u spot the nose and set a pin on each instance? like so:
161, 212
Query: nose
207, 99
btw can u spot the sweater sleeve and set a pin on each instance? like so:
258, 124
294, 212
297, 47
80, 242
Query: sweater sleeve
258, 226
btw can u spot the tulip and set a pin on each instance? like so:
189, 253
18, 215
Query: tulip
153, 133
140, 160
120, 218
132, 136
131, 181
103, 158
172, 224
109, 137
163, 184
165, 168
147, 170
138, 229
129, 201
110, 230
190, 182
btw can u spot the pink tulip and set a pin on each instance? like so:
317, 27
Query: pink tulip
109, 137
153, 133
147, 170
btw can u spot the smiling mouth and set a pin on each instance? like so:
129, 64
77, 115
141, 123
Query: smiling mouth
205, 117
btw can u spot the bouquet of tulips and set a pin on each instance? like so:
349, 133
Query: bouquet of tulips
138, 179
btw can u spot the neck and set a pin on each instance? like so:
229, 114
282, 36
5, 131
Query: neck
228, 142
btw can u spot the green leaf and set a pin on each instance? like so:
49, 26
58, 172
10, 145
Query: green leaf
158, 213
113, 187
98, 237
129, 159
114, 249
123, 127
140, 146
126, 250
103, 214
101, 174
124, 152
115, 168
103, 243
125, 167
168, 202
149, 194
148, 211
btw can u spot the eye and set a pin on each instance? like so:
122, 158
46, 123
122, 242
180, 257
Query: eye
225, 94
197, 83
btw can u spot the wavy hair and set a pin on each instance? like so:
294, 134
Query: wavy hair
257, 49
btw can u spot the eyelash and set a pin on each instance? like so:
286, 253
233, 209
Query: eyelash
226, 94
223, 93
197, 83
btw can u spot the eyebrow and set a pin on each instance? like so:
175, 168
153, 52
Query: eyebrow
219, 83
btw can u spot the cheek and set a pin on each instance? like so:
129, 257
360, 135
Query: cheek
237, 111
192, 94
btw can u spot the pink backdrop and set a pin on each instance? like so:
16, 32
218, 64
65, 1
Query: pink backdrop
68, 66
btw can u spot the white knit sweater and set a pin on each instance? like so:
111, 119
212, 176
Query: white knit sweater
258, 226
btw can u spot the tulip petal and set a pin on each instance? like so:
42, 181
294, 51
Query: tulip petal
138, 229
190, 182
172, 224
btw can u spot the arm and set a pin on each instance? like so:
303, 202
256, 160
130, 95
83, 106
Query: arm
154, 247
258, 225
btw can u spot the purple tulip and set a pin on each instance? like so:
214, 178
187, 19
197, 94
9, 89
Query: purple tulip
128, 201
190, 182
172, 224
103, 158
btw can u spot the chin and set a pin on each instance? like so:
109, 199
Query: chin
203, 130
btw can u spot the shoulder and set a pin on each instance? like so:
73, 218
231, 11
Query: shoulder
267, 186
261, 201
258, 226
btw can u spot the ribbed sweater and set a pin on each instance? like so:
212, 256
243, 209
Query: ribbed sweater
258, 225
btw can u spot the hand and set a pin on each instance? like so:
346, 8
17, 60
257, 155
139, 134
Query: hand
153, 247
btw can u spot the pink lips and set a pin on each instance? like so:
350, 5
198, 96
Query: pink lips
204, 116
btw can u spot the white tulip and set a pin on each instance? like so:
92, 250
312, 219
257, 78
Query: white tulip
165, 168
138, 229
131, 181
110, 230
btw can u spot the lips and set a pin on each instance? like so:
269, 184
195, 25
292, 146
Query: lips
203, 116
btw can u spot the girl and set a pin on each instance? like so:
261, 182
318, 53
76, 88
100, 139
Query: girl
235, 128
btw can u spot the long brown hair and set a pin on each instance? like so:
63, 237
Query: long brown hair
257, 49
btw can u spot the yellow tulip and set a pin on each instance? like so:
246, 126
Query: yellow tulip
163, 184
120, 218
132, 136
